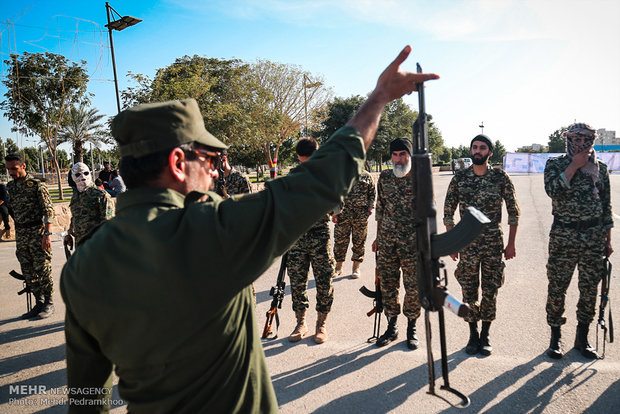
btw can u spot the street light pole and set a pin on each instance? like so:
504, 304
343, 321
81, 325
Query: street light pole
481, 127
120, 24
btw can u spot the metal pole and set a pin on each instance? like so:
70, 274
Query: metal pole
306, 105
118, 98
92, 165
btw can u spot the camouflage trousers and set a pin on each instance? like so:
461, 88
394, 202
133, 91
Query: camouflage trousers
481, 266
355, 228
394, 255
312, 248
569, 248
36, 263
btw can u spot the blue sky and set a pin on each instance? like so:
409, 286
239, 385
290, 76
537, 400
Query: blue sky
524, 68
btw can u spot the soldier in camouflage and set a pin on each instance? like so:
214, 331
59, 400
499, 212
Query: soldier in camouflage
230, 181
480, 264
352, 221
578, 185
33, 213
396, 243
311, 248
90, 205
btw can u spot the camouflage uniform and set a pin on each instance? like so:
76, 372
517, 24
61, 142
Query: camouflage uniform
353, 219
396, 243
32, 207
577, 237
235, 183
485, 193
312, 247
89, 208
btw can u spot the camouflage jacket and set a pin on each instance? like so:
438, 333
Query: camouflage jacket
395, 199
361, 199
576, 201
484, 192
30, 201
235, 183
88, 209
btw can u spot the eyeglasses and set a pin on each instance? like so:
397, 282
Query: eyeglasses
211, 156
79, 174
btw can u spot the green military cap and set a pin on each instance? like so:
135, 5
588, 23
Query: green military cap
149, 128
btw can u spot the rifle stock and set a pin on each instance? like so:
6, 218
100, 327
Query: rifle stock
431, 246
277, 292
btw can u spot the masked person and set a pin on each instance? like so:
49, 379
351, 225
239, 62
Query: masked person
33, 213
230, 181
578, 185
90, 206
162, 291
480, 264
396, 243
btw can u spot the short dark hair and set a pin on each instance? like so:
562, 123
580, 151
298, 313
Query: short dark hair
15, 156
143, 171
306, 146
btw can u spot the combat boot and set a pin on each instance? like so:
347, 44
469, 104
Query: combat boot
555, 348
412, 337
391, 333
356, 270
339, 268
321, 332
473, 345
581, 342
48, 307
36, 309
485, 346
301, 329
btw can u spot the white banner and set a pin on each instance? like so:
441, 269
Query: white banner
532, 163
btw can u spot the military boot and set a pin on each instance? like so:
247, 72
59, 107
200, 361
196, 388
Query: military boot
555, 348
36, 309
391, 333
356, 270
473, 345
321, 332
48, 307
485, 346
581, 342
339, 268
301, 329
412, 337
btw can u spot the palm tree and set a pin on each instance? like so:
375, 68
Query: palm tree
84, 127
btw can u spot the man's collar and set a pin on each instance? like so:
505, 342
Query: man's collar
151, 196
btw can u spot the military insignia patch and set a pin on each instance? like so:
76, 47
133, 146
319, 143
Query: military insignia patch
29, 183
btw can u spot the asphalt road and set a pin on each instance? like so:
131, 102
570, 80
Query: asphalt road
347, 374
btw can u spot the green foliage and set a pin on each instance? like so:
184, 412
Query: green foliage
498, 153
337, 113
84, 127
556, 141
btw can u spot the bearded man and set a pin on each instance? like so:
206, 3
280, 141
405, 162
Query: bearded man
90, 206
578, 185
396, 243
480, 264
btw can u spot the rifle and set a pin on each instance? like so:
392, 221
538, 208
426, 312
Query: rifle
431, 246
601, 312
277, 292
377, 304
25, 290
221, 171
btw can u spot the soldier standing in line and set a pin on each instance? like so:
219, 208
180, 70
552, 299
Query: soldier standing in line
90, 205
578, 185
33, 212
5, 212
480, 264
311, 248
231, 181
396, 243
352, 222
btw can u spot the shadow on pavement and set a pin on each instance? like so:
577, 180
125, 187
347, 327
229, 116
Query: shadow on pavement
29, 332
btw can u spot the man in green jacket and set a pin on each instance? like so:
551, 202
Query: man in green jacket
162, 291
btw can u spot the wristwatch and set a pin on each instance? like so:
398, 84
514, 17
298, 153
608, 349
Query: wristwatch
47, 233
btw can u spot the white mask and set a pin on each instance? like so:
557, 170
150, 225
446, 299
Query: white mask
81, 175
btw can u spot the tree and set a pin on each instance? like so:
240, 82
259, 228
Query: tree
556, 141
83, 127
337, 113
9, 147
498, 153
291, 95
40, 90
